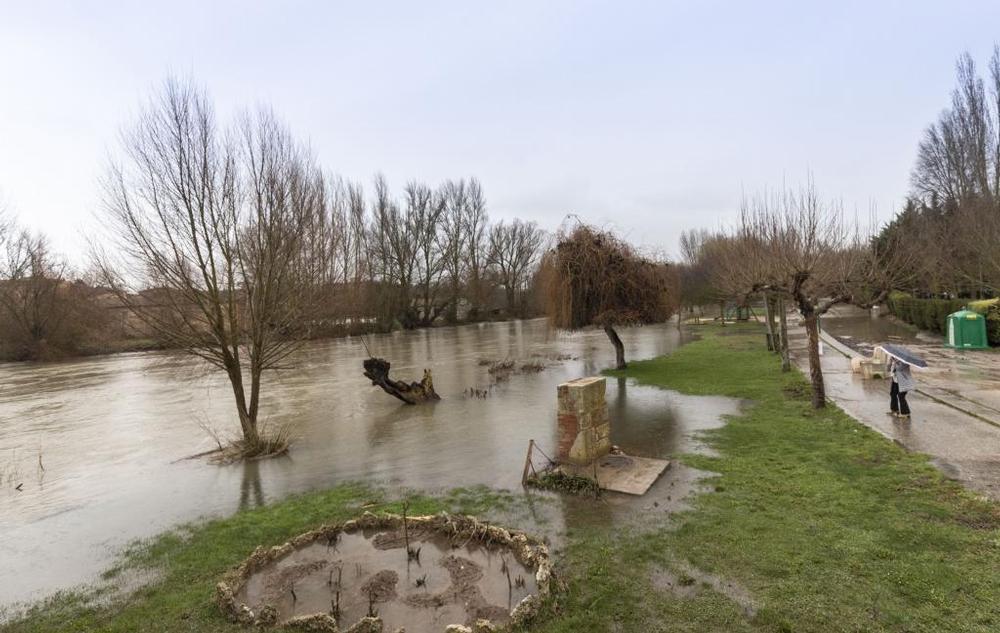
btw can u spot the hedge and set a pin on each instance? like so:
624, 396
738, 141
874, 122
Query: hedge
991, 309
926, 314
932, 314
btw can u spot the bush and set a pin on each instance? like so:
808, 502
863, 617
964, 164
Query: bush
990, 308
929, 314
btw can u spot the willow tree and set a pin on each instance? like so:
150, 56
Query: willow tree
211, 224
593, 277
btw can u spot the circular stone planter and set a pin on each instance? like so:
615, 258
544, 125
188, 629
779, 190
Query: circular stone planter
438, 569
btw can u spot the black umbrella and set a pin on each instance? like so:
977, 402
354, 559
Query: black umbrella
903, 355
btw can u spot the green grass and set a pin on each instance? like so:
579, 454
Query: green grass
827, 525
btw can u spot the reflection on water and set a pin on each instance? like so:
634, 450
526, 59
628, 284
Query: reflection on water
251, 491
110, 432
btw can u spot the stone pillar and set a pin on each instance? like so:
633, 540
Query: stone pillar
584, 430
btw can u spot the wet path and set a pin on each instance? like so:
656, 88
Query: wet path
109, 431
965, 447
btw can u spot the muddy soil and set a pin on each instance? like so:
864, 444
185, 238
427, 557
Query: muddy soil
364, 574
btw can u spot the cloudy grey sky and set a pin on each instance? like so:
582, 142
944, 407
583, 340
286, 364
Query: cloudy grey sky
650, 116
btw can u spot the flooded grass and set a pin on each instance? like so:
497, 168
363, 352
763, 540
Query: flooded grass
812, 523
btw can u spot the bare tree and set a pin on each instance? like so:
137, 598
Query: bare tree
794, 245
394, 255
453, 240
214, 221
514, 250
475, 223
356, 244
957, 177
43, 315
424, 210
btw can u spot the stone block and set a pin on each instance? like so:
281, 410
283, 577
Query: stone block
583, 427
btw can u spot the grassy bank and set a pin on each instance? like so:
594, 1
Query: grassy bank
814, 523
827, 525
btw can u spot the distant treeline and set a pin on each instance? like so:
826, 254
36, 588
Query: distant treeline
381, 262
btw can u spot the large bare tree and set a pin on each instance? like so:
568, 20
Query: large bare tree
794, 245
957, 179
213, 220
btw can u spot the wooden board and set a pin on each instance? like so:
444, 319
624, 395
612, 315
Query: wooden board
624, 473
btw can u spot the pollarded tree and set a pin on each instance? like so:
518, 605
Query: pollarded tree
796, 246
593, 277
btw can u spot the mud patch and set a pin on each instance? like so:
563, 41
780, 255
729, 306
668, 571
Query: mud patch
466, 571
381, 587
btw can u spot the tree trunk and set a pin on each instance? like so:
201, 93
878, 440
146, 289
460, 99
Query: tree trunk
769, 321
815, 369
786, 363
377, 370
254, 406
248, 417
619, 346
722, 313
453, 304
772, 319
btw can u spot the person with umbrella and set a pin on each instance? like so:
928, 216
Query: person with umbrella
900, 361
902, 383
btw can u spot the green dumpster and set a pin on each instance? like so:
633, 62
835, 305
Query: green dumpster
967, 330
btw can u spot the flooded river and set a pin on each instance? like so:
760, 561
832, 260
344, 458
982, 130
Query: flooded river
96, 442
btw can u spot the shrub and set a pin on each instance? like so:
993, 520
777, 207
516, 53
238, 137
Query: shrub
990, 308
928, 314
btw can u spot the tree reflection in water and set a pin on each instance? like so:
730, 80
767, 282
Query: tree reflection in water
251, 492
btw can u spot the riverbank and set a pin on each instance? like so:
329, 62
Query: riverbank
134, 345
813, 523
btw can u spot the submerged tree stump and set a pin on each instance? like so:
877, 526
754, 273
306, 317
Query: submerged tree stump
377, 370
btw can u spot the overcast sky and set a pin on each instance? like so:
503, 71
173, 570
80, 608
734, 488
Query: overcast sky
652, 117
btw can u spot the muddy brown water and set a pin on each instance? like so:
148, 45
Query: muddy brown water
445, 585
95, 442
863, 332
